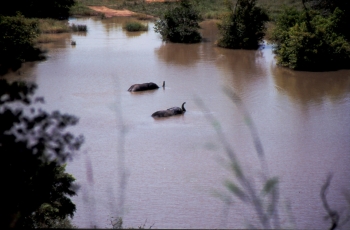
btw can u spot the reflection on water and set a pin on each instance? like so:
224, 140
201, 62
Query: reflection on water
133, 34
81, 33
241, 67
190, 54
117, 23
172, 164
311, 87
179, 54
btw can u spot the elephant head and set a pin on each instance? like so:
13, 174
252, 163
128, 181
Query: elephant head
170, 112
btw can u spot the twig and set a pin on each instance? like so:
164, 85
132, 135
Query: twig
243, 180
334, 216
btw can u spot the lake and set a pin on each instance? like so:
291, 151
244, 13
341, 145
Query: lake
162, 173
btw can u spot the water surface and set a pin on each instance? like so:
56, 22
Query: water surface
172, 165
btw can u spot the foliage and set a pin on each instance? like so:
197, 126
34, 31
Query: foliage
337, 219
307, 40
17, 42
326, 8
34, 147
243, 26
48, 214
263, 199
274, 8
135, 26
58, 9
78, 28
180, 24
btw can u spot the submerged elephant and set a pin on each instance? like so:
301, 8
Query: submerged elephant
170, 112
144, 86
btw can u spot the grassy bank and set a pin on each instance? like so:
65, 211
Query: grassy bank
208, 8
48, 27
51, 26
80, 9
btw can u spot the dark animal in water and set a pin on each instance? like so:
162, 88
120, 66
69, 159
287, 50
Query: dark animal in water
144, 86
170, 112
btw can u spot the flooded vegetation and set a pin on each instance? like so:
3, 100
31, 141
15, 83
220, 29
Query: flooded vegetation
164, 172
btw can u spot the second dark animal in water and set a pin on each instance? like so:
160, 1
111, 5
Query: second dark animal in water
144, 86
170, 112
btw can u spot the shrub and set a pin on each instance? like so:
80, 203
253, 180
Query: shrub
243, 26
34, 147
79, 28
58, 9
307, 40
135, 26
17, 42
180, 24
326, 7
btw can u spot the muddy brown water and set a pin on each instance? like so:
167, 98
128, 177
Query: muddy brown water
173, 165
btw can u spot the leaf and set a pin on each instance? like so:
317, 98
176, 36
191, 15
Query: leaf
237, 169
270, 185
224, 197
236, 190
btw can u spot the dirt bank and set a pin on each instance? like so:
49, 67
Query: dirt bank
112, 13
161, 0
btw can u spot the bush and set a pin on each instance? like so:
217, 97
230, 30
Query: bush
180, 24
78, 28
326, 7
307, 40
243, 26
34, 147
58, 9
17, 42
135, 26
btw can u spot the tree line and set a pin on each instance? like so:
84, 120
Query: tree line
314, 38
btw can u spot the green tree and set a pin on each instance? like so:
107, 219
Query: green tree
180, 24
308, 40
17, 42
327, 7
243, 27
34, 147
58, 9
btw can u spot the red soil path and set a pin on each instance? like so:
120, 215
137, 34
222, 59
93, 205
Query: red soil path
112, 13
